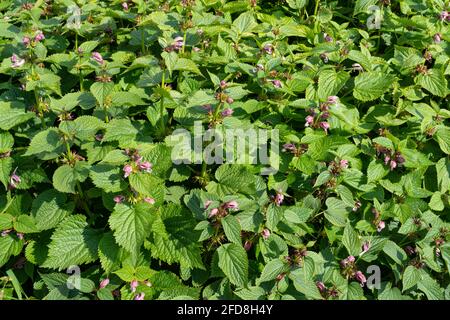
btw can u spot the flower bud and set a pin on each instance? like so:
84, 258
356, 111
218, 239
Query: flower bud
233, 205
230, 100
309, 121
393, 164
365, 247
279, 199
207, 204
321, 286
149, 200
16, 61
26, 41
140, 296
381, 225
127, 169
125, 6
343, 164
332, 99
276, 83
359, 276
104, 283
437, 38
325, 126
119, 199
133, 285
97, 57
213, 212
247, 245
227, 112
145, 166
265, 234
39, 37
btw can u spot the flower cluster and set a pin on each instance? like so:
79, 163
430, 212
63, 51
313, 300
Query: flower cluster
222, 210
318, 118
350, 271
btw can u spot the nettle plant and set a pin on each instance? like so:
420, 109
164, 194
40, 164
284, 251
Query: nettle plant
93, 206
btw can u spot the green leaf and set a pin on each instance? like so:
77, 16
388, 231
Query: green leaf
107, 177
46, 145
232, 229
109, 253
376, 171
272, 269
434, 81
10, 246
331, 82
148, 185
83, 99
131, 225
363, 6
64, 179
411, 276
101, 90
351, 241
395, 252
442, 136
73, 243
371, 85
430, 287
234, 263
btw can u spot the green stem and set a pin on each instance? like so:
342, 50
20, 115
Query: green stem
216, 112
161, 107
142, 42
83, 203
38, 107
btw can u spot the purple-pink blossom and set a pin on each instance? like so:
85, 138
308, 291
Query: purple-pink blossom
104, 283
381, 225
365, 247
20, 235
213, 212
39, 37
332, 99
207, 204
26, 41
359, 276
247, 245
321, 286
227, 112
279, 197
146, 166
119, 199
133, 285
16, 61
127, 169
276, 83
125, 6
97, 57
325, 126
265, 234
14, 180
178, 43
149, 200
230, 100
268, 48
343, 164
393, 164
437, 38
140, 296
233, 205
309, 120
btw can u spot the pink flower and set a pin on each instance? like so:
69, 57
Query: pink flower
410, 250
230, 100
327, 37
309, 121
26, 41
119, 199
247, 245
140, 296
357, 206
133, 285
279, 199
16, 61
343, 164
125, 6
351, 259
178, 43
213, 212
265, 234
97, 57
39, 37
5, 233
359, 276
223, 84
20, 235
321, 286
444, 15
276, 83
437, 38
128, 169
365, 247
233, 205
207, 204
14, 180
149, 200
393, 164
146, 166
325, 115
381, 225
104, 283
332, 99
387, 158
227, 112
325, 126
289, 147
195, 49
268, 48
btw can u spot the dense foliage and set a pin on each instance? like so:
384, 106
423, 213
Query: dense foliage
91, 92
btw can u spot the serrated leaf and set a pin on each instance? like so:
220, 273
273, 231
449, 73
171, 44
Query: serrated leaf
371, 85
234, 263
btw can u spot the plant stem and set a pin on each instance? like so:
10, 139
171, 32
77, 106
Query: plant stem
83, 203
161, 107
142, 42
